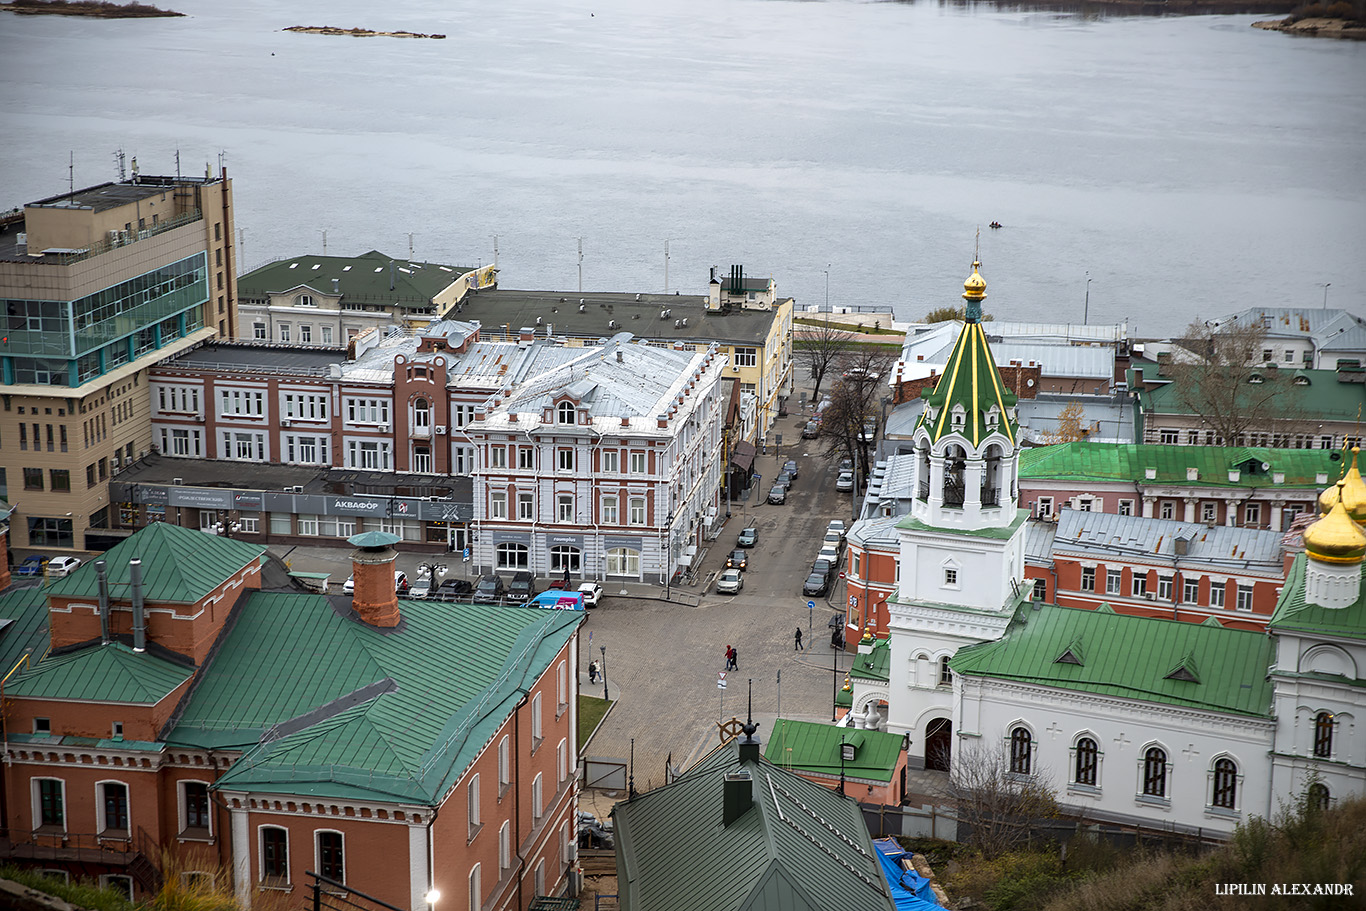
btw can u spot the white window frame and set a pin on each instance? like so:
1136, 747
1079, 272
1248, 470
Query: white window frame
639, 462
1138, 583
498, 504
183, 807
504, 765
636, 511
537, 799
504, 846
36, 795
473, 811
564, 508
1114, 581
1087, 581
611, 461
1164, 588
270, 881
1126, 507
1252, 514
1243, 599
526, 507
121, 881
1190, 590
564, 458
610, 515
318, 851
1218, 593
1043, 508
101, 822
537, 724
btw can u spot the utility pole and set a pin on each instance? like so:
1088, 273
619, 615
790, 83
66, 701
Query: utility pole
666, 267
1086, 307
580, 265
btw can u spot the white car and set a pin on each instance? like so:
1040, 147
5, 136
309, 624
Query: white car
836, 525
422, 588
829, 553
730, 582
61, 566
592, 593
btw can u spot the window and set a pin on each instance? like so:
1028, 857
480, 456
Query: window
241, 403
945, 674
1088, 578
304, 407
472, 809
476, 895
1168, 509
368, 454
113, 808
306, 450
504, 846
623, 561
1040, 589
59, 479
331, 860
51, 803
304, 300
367, 411
564, 413
1044, 508
1244, 597
537, 732
123, 885
1207, 512
637, 463
50, 532
246, 446
609, 510
564, 457
258, 331
1112, 581
42, 725
1140, 583
1190, 591
526, 506
498, 505
1087, 762
637, 511
1225, 786
537, 807
1323, 735
1252, 514
1155, 772
504, 766
498, 457
1126, 507
513, 556
284, 332
539, 878
950, 578
1169, 437
746, 357
526, 457
422, 459
561, 761
565, 558
33, 479
1318, 796
194, 801
274, 856
1164, 588
306, 335
611, 461
1021, 743
327, 335
1216, 594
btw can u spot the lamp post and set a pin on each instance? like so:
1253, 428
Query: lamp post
1326, 286
603, 671
834, 682
432, 571
668, 553
227, 524
827, 287
1086, 308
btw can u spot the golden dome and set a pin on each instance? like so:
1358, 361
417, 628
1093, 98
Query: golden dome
1336, 538
1328, 499
1354, 490
975, 288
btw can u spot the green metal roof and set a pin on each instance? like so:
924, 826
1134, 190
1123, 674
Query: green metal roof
1130, 462
1130, 657
26, 631
1301, 395
373, 539
369, 278
1003, 533
102, 673
1294, 614
179, 565
872, 665
971, 380
362, 712
799, 846
809, 746
97, 743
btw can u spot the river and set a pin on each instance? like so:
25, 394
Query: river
1191, 166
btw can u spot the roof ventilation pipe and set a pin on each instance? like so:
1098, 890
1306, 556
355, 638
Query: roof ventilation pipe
139, 615
102, 583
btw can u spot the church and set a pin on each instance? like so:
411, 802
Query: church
1187, 726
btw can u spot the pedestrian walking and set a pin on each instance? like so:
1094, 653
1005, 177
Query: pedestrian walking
730, 657
734, 658
798, 647
593, 672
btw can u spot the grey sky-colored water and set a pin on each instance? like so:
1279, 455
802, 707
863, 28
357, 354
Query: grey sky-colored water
1193, 165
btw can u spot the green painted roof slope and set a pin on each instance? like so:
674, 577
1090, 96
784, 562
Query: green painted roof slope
327, 706
1130, 461
179, 565
102, 673
971, 380
1294, 615
360, 279
1004, 533
872, 665
799, 847
26, 631
1321, 397
809, 746
1129, 657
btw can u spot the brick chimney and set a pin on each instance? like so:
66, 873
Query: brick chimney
372, 567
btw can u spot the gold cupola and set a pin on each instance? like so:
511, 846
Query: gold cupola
975, 288
1353, 491
1336, 538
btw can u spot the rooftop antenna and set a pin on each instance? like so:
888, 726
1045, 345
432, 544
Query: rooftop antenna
222, 161
580, 265
177, 164
666, 267
71, 173
121, 158
410, 246
495, 251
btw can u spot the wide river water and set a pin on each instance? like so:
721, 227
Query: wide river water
1192, 166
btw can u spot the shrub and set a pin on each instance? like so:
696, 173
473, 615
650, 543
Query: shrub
82, 893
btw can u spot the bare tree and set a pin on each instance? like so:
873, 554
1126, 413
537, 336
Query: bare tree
995, 803
850, 423
821, 346
1222, 383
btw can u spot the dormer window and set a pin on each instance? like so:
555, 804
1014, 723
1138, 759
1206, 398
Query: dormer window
305, 300
993, 417
1255, 378
1301, 381
564, 413
957, 417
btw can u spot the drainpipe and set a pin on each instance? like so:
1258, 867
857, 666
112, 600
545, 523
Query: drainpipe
103, 583
139, 618
517, 790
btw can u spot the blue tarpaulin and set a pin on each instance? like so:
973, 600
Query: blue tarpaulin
910, 890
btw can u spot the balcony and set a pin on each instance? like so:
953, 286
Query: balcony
138, 853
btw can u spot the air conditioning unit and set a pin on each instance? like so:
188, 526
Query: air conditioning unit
1150, 596
735, 368
142, 454
199, 417
383, 428
114, 462
285, 423
113, 236
440, 429
177, 482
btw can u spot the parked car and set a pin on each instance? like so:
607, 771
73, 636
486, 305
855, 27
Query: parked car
832, 539
62, 566
730, 582
869, 432
592, 593
824, 567
836, 525
454, 590
790, 467
845, 482
816, 584
811, 430
738, 559
489, 589
421, 589
783, 480
32, 565
522, 587
748, 537
777, 495
829, 553
401, 585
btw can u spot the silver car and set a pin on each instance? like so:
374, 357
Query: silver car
730, 582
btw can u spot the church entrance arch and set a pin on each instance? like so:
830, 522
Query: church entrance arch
938, 744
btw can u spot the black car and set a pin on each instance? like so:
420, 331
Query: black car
452, 590
738, 559
489, 589
824, 567
522, 588
816, 584
790, 468
783, 480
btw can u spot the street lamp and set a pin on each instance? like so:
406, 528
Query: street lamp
1086, 308
668, 553
433, 571
827, 287
603, 670
226, 526
1326, 286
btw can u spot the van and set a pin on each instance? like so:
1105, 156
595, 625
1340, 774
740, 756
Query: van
489, 589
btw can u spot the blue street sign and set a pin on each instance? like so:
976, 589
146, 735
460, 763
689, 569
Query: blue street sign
467, 555
810, 604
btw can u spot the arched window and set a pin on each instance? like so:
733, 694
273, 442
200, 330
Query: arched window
422, 414
1155, 772
1225, 793
957, 417
513, 556
1318, 796
305, 300
1088, 761
564, 413
1323, 735
1020, 744
945, 675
